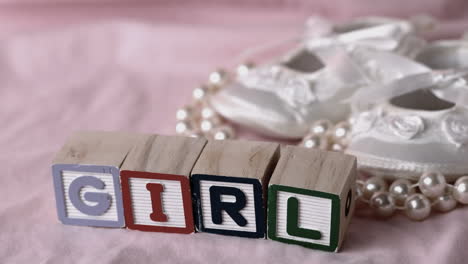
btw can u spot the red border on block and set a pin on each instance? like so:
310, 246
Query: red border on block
186, 200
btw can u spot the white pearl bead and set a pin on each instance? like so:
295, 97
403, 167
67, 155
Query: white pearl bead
401, 189
359, 203
207, 112
200, 93
432, 184
383, 204
193, 134
341, 131
182, 127
243, 69
373, 185
359, 191
445, 202
217, 77
417, 207
184, 114
207, 125
320, 127
315, 141
223, 133
460, 190
337, 147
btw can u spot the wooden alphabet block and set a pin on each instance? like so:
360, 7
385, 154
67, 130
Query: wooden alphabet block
156, 186
86, 178
229, 182
311, 198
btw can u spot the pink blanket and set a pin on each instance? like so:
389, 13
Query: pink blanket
133, 76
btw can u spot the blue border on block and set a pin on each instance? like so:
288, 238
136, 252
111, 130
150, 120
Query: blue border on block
60, 196
259, 210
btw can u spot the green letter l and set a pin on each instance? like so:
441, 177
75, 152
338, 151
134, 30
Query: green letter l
292, 225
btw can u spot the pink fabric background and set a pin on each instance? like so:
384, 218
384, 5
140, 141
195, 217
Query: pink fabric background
133, 75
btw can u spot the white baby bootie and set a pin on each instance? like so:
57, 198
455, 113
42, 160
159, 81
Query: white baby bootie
282, 99
445, 54
389, 34
414, 131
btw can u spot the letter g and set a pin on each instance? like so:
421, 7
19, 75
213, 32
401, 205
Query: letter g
103, 200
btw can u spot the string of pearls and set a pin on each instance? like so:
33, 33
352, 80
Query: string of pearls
417, 200
435, 193
199, 119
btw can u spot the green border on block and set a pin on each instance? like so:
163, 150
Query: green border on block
335, 217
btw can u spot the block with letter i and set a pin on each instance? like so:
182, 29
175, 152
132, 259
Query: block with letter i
156, 185
311, 198
86, 178
229, 182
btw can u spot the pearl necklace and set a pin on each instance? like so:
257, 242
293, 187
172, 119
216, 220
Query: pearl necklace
417, 200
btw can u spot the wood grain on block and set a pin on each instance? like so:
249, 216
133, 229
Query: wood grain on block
311, 197
229, 182
156, 186
86, 178
96, 148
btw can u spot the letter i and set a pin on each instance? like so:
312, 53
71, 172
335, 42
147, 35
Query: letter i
156, 189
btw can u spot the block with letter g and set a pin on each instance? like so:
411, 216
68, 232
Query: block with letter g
88, 195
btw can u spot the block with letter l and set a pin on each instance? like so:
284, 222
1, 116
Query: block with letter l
230, 181
156, 186
311, 198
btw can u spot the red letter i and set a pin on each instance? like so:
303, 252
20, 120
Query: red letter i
155, 190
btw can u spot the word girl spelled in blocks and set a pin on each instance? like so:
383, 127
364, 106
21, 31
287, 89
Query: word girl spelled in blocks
311, 198
156, 186
229, 187
86, 178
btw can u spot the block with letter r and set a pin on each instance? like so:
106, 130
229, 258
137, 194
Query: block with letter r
229, 184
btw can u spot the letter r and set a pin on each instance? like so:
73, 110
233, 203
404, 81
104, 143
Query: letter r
232, 209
